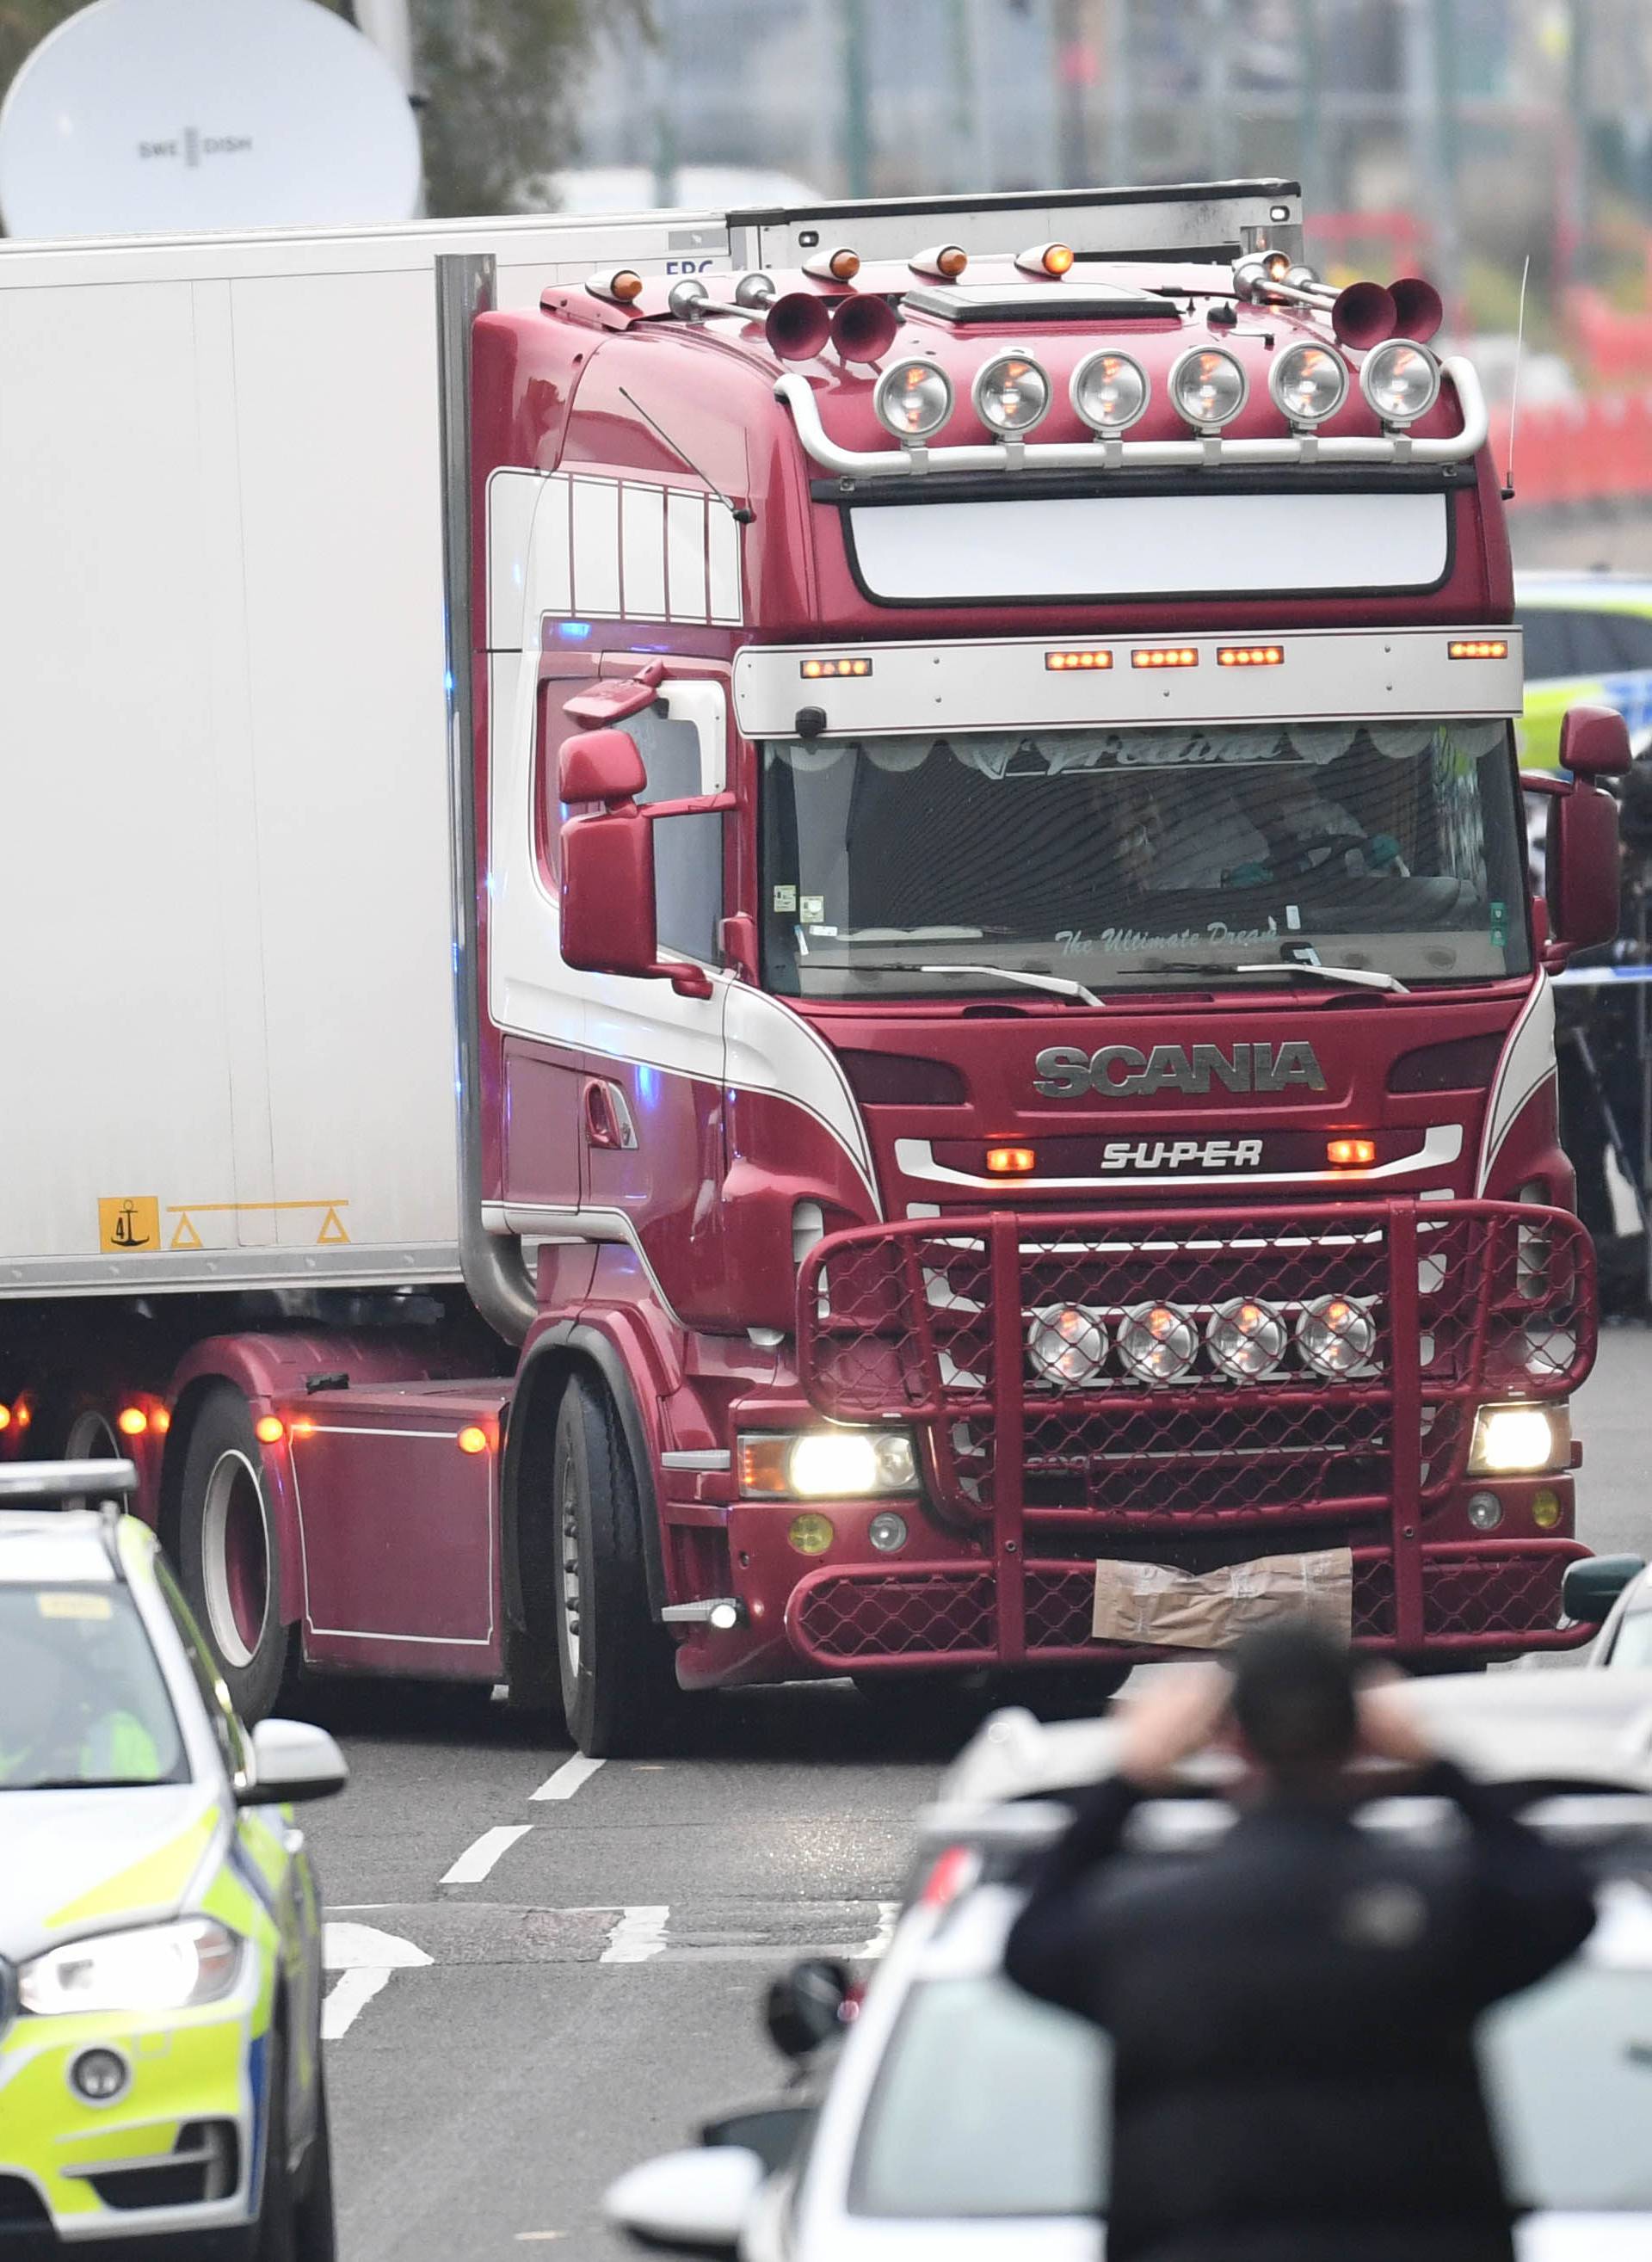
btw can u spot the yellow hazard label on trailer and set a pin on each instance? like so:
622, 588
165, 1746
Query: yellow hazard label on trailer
129, 1223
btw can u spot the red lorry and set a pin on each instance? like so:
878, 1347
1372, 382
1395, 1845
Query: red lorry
1006, 1075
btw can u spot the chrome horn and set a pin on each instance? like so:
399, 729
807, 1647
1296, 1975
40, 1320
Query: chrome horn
1361, 315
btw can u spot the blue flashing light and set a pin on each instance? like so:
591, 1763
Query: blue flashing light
448, 680
647, 1085
574, 632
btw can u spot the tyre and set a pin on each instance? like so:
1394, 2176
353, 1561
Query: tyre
315, 2237
619, 1688
276, 2238
228, 1559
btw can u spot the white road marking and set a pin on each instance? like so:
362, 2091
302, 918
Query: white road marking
364, 1957
639, 1934
476, 1860
869, 1950
563, 1784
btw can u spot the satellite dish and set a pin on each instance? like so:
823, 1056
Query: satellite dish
165, 117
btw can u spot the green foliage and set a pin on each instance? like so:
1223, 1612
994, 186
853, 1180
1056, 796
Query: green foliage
500, 80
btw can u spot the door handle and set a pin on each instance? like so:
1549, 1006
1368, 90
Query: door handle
608, 1117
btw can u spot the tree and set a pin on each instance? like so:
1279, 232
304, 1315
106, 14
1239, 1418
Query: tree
499, 82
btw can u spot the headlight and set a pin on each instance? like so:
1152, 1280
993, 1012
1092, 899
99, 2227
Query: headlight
1011, 394
1246, 1337
1208, 386
1158, 1342
1336, 1335
159, 1967
1401, 380
1067, 1344
1308, 383
912, 400
1108, 391
1517, 1440
826, 1464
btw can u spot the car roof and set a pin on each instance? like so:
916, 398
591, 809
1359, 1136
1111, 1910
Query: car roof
52, 1547
1591, 1729
1607, 592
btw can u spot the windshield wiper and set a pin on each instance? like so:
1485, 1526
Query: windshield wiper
1356, 977
1053, 982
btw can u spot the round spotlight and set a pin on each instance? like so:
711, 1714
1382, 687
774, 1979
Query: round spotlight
1308, 383
914, 400
810, 1535
887, 1531
1401, 380
1011, 394
1208, 387
1336, 1335
1245, 1338
99, 2075
1485, 1510
1108, 391
1067, 1344
1158, 1342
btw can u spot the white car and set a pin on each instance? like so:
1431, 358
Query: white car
954, 2117
1612, 1592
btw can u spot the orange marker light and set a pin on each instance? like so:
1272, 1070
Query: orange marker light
1058, 662
1165, 655
160, 1421
1011, 1162
844, 265
1351, 1154
22, 1414
269, 1430
473, 1438
812, 670
1250, 655
132, 1421
301, 1427
1057, 258
1478, 648
5, 1418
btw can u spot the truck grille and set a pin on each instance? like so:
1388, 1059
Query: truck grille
1431, 1311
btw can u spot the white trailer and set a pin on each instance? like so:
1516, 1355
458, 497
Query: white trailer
225, 861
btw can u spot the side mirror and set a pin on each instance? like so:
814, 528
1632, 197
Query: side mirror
1590, 1589
599, 766
804, 2006
774, 2132
1594, 742
689, 2203
1580, 867
291, 1762
608, 894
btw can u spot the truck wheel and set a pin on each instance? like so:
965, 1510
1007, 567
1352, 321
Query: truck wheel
228, 1558
618, 1681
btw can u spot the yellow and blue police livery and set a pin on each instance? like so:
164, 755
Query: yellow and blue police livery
161, 1968
1588, 637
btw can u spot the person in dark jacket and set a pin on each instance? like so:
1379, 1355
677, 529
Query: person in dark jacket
1292, 2011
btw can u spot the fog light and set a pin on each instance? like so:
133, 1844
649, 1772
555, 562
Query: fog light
1485, 1510
810, 1535
887, 1531
1512, 1440
1067, 1344
1546, 1508
99, 2075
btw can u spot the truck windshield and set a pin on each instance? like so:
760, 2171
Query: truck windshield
1141, 858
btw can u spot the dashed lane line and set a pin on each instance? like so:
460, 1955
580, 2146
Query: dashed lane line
638, 1936
567, 1780
474, 1863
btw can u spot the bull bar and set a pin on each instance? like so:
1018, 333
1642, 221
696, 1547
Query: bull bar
926, 1323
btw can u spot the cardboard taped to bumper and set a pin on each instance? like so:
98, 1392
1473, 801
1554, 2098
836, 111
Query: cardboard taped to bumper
1152, 1605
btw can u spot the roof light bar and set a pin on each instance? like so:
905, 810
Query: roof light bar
1012, 394
1400, 379
1059, 662
1108, 391
1045, 259
620, 286
1208, 387
1477, 648
913, 398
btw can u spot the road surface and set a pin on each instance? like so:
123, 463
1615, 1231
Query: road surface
597, 1939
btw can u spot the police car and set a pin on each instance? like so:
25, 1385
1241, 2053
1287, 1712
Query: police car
1588, 637
955, 2117
161, 2077
1612, 1592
